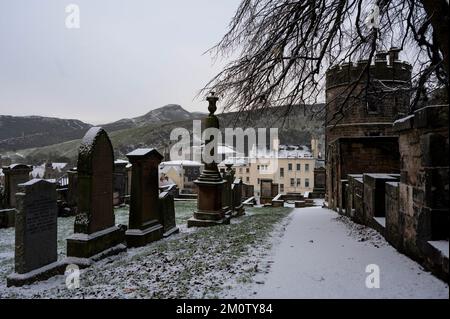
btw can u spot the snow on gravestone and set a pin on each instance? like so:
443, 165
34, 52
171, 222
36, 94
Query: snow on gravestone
94, 229
36, 230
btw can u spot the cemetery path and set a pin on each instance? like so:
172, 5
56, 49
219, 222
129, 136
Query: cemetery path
325, 255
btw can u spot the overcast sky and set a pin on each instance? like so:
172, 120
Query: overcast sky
127, 57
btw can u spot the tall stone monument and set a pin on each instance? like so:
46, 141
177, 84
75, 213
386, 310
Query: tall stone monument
95, 233
209, 205
144, 223
36, 234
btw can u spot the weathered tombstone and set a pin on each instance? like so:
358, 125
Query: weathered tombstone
95, 233
120, 180
227, 192
238, 207
72, 193
266, 190
167, 214
319, 182
144, 223
209, 205
14, 175
36, 234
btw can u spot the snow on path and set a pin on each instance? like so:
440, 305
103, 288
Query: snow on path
321, 256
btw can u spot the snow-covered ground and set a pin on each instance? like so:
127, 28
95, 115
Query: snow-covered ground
268, 253
196, 263
325, 255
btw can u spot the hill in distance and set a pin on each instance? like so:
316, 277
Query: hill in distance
153, 130
22, 132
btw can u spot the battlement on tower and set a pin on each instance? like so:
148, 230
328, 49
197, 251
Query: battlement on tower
385, 67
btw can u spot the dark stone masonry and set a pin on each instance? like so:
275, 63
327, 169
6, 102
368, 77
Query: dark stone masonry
95, 233
386, 169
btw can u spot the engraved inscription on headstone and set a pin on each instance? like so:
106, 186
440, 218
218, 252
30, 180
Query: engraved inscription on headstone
36, 225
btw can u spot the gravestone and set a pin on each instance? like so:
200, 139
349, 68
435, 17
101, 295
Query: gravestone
36, 233
72, 192
95, 233
210, 210
167, 213
144, 223
14, 175
227, 192
266, 190
120, 180
238, 207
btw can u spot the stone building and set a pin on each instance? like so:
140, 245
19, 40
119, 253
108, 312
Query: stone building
359, 136
291, 168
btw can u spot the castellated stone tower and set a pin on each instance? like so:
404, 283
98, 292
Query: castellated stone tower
374, 104
361, 138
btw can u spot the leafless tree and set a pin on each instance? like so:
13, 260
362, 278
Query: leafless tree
280, 49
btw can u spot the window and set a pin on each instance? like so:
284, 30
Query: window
247, 179
306, 182
240, 170
292, 182
281, 171
247, 170
290, 167
299, 182
281, 187
298, 166
306, 167
257, 167
257, 181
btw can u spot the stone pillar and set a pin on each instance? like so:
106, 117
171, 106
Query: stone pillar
209, 205
95, 233
14, 174
144, 223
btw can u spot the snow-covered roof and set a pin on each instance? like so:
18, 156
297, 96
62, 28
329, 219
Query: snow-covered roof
180, 163
38, 171
59, 166
236, 161
120, 161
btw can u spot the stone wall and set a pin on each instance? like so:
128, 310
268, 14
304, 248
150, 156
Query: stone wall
356, 156
424, 187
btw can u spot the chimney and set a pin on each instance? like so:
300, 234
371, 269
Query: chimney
393, 55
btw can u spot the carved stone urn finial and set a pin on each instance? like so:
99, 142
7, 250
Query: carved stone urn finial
212, 99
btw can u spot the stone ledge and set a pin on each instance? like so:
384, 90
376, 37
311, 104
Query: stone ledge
40, 274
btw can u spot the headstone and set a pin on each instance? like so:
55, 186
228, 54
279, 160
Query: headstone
266, 190
120, 180
167, 213
227, 192
95, 233
209, 204
238, 207
36, 233
144, 223
72, 193
14, 175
